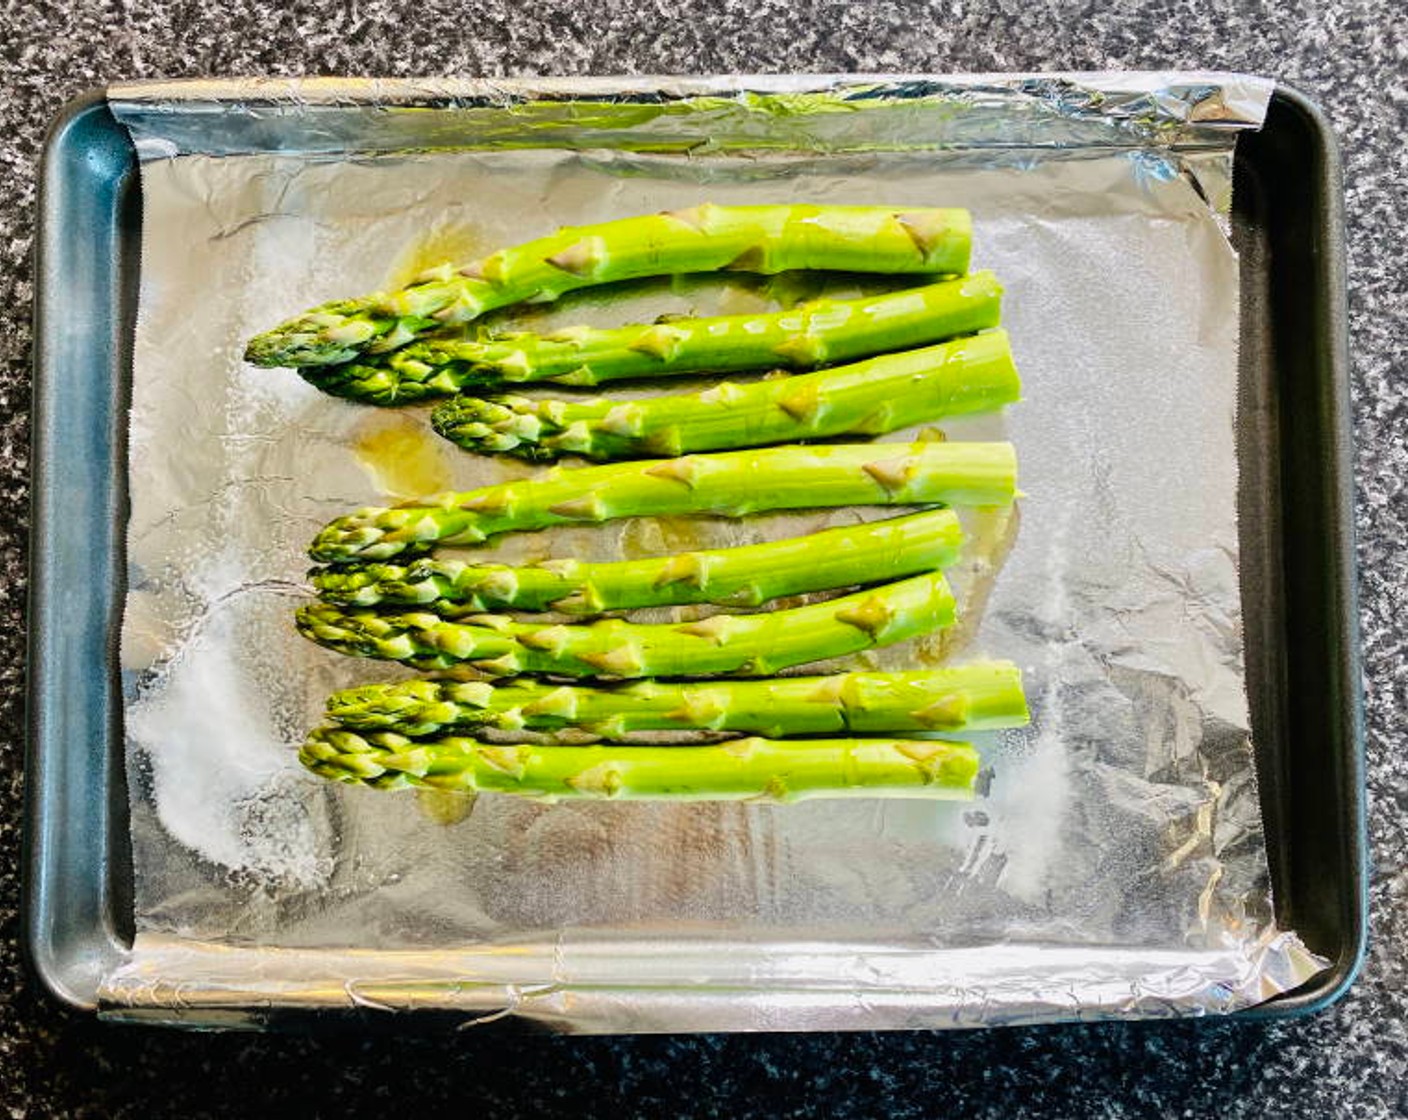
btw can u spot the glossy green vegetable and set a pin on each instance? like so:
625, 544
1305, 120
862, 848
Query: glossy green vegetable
975, 697
748, 645
762, 239
740, 770
732, 483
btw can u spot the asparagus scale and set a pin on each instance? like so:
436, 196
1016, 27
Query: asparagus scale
816, 333
761, 239
743, 576
866, 398
747, 645
741, 770
977, 697
732, 483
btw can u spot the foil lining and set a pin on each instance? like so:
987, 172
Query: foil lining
1116, 864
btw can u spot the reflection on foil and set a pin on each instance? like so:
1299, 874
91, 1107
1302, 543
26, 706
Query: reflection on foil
1115, 865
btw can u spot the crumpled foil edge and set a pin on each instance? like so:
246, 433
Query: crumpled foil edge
572, 986
845, 112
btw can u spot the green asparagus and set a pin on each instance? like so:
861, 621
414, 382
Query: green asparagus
822, 332
748, 645
873, 397
744, 576
762, 239
732, 483
739, 770
976, 697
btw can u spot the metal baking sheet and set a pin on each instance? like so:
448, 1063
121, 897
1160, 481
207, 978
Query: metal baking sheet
906, 979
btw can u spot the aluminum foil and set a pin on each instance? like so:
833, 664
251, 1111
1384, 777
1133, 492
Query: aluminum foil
1115, 865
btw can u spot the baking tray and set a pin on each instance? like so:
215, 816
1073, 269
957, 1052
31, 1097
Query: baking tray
1295, 454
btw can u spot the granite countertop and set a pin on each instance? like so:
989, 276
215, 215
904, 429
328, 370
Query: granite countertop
1351, 1061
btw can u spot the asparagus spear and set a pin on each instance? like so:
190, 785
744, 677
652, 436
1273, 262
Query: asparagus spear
872, 397
740, 770
733, 483
749, 645
821, 332
744, 576
974, 697
763, 239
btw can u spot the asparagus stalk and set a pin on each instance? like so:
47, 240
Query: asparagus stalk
732, 483
822, 332
748, 645
763, 239
744, 576
882, 394
740, 770
976, 697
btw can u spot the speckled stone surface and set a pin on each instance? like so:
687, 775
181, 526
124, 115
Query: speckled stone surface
1352, 1061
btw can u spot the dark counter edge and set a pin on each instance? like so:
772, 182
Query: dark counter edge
77, 889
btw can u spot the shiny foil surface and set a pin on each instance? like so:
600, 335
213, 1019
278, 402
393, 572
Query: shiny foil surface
1113, 864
